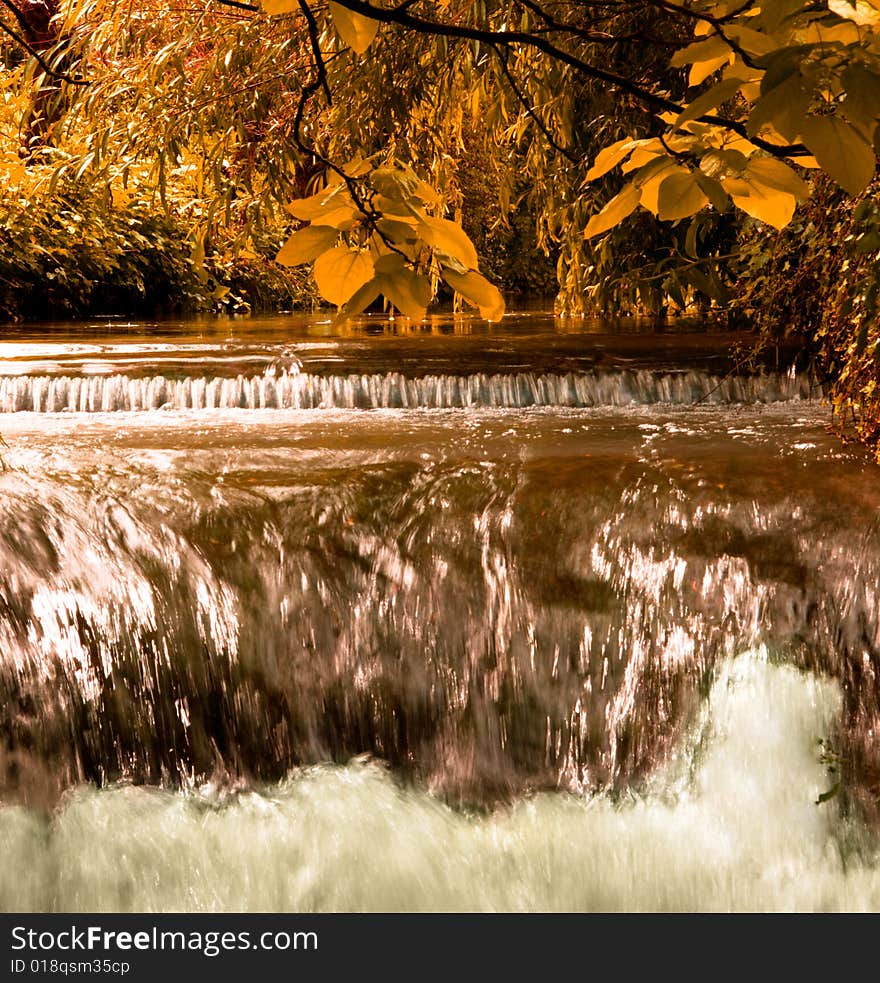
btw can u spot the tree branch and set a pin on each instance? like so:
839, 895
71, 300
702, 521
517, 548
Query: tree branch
402, 18
40, 60
503, 56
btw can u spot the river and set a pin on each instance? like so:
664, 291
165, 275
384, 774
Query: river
545, 616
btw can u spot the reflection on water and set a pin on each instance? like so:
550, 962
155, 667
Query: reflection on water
532, 591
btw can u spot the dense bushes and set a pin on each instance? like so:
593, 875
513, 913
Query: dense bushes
817, 281
73, 254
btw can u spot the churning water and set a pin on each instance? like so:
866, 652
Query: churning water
544, 628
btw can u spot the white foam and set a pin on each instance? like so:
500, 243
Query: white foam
731, 824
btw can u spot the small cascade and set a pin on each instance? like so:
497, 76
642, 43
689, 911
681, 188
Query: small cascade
392, 390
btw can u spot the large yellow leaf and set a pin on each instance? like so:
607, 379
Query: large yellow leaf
615, 211
341, 272
700, 51
783, 107
308, 209
306, 245
409, 292
765, 204
273, 7
355, 30
756, 43
610, 157
643, 155
650, 178
680, 196
476, 288
775, 174
841, 151
358, 302
449, 239
701, 70
709, 100
713, 191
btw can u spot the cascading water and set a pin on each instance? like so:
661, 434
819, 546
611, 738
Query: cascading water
391, 390
497, 584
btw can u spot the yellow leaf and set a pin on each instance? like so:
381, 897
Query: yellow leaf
701, 70
650, 183
355, 30
858, 12
614, 212
274, 7
449, 239
476, 288
341, 272
409, 292
775, 174
308, 209
358, 303
765, 204
643, 155
680, 196
709, 100
755, 43
610, 157
841, 151
701, 51
306, 245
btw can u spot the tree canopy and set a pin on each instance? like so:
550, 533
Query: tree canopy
643, 134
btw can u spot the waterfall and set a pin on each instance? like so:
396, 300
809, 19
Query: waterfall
392, 390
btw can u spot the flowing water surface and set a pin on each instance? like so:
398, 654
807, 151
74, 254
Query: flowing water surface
532, 618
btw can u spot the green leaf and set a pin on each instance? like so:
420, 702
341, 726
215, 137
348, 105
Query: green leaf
476, 288
449, 239
620, 206
868, 243
680, 196
841, 152
830, 794
774, 12
341, 272
355, 30
306, 245
390, 263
